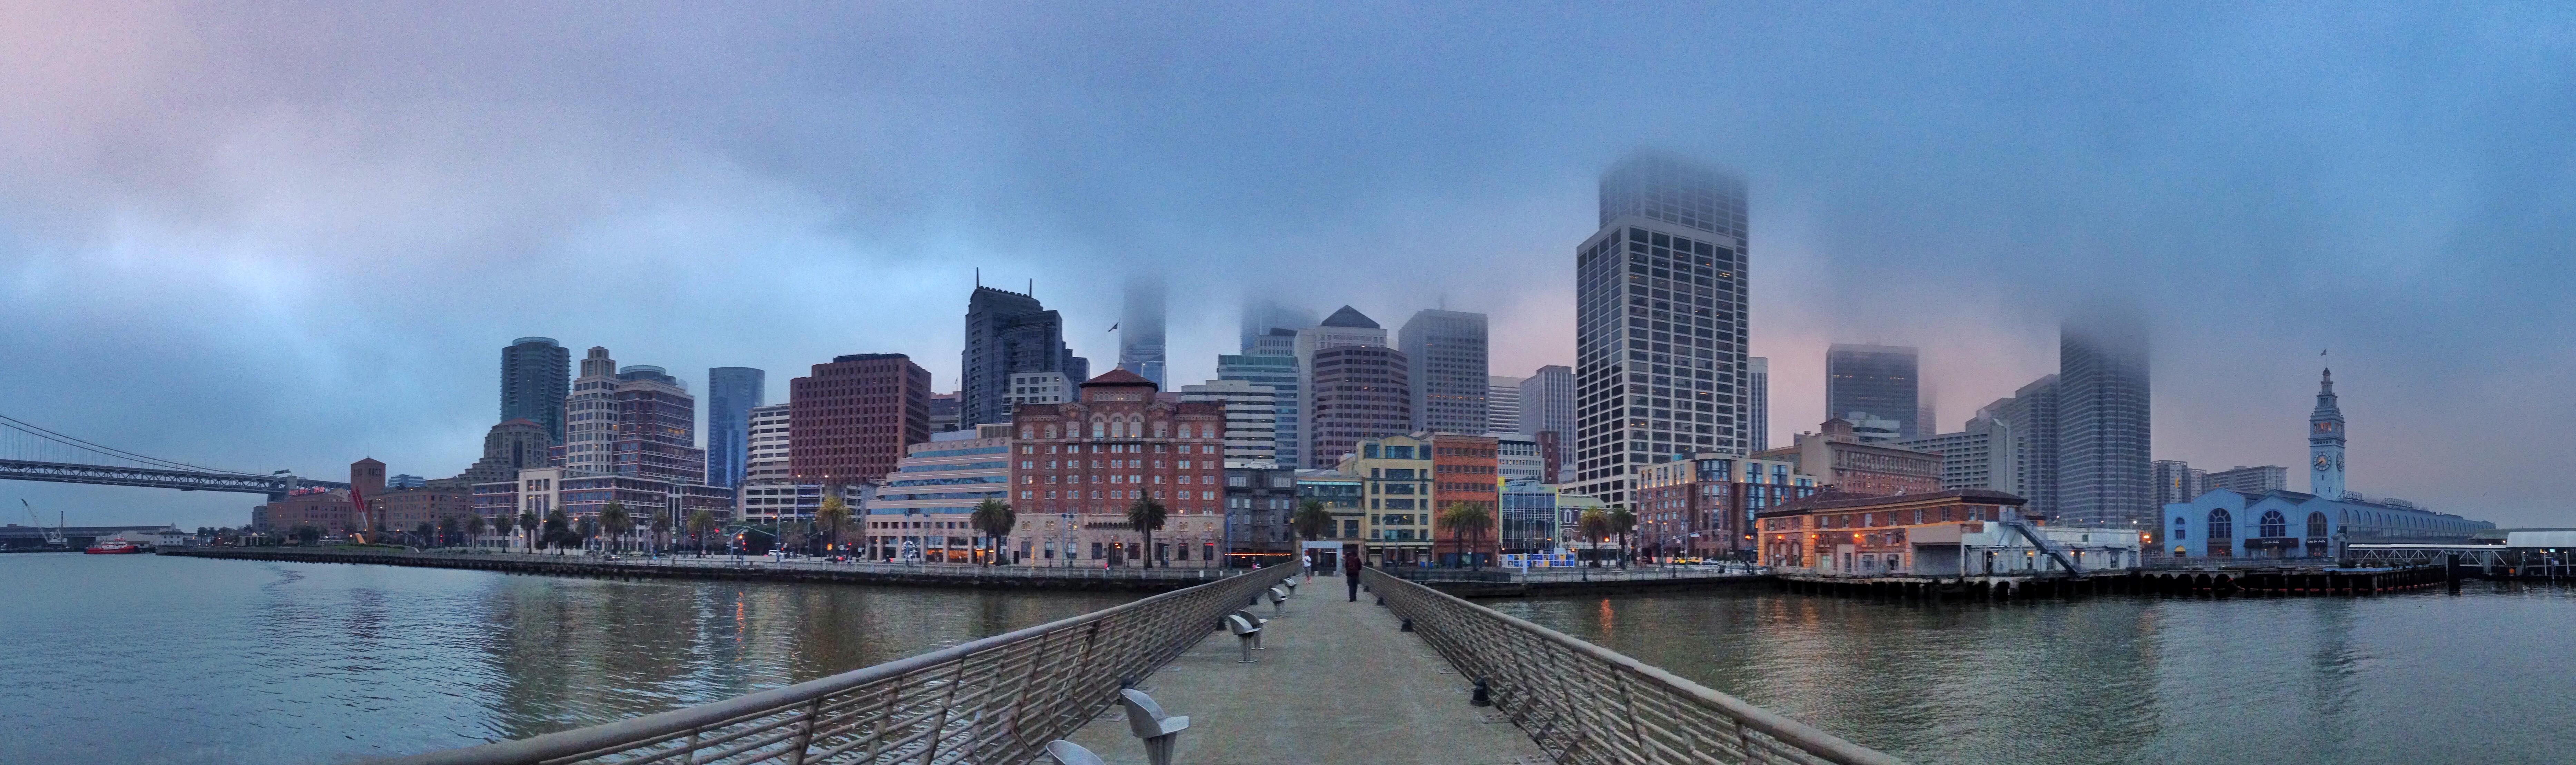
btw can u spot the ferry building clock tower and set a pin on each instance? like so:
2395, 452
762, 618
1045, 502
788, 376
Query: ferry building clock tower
2325, 443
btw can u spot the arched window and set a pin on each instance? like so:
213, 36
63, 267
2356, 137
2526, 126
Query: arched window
1160, 428
2273, 525
2221, 525
2316, 525
1050, 431
1027, 432
2179, 531
1098, 429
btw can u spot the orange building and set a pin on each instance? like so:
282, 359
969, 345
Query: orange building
1463, 470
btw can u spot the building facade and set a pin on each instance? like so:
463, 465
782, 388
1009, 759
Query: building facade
2251, 480
634, 421
1258, 504
1278, 372
1704, 506
732, 392
1882, 380
1956, 533
536, 376
1519, 458
1530, 524
1356, 392
1006, 332
1397, 484
1979, 456
851, 420
2325, 442
1842, 462
1344, 496
1449, 372
1547, 401
1082, 464
1757, 407
2176, 481
924, 509
1660, 333
1251, 420
1502, 404
2105, 476
1038, 388
508, 448
2031, 415
1466, 474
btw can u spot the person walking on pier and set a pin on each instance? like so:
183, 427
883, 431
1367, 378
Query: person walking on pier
1351, 572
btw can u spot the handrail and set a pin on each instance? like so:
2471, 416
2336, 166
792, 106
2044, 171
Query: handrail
993, 700
1583, 703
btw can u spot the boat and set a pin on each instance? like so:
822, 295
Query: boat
114, 547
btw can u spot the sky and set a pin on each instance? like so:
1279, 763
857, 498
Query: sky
286, 236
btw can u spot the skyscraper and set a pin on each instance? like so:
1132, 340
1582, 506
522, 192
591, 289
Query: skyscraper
633, 421
1450, 374
1878, 379
2177, 481
536, 375
1502, 404
2105, 477
1270, 329
1346, 327
1281, 375
1251, 420
1547, 402
850, 420
732, 392
2031, 413
1005, 332
1140, 329
1358, 392
1757, 407
1660, 303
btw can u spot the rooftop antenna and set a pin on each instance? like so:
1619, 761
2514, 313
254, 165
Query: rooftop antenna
979, 277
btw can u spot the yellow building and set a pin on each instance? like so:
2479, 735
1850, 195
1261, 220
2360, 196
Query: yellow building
1396, 483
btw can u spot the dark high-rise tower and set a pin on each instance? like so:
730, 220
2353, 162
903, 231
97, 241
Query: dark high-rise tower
1881, 380
731, 394
2105, 477
1659, 328
1008, 332
536, 375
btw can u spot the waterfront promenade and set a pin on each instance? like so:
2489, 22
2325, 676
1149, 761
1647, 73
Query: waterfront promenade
1337, 682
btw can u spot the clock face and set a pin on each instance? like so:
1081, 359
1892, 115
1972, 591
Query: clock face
2323, 461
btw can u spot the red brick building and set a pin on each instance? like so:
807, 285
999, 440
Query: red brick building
1091, 458
850, 420
1463, 470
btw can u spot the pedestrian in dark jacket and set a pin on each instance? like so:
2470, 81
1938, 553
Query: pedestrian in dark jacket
1351, 574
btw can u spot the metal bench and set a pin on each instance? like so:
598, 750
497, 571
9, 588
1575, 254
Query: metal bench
1256, 621
1069, 753
1292, 585
1278, 597
1246, 631
1146, 719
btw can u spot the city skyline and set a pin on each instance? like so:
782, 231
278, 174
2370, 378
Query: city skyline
252, 255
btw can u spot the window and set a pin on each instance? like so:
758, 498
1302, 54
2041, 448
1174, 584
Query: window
2316, 525
2221, 525
2179, 532
2273, 525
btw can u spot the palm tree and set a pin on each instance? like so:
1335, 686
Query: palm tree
557, 528
661, 531
1623, 521
1595, 525
699, 524
614, 520
834, 515
473, 526
1312, 521
995, 519
1468, 522
528, 529
1146, 515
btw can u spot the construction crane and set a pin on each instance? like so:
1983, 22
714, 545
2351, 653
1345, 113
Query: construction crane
53, 538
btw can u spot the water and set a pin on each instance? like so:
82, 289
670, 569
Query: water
2407, 679
137, 658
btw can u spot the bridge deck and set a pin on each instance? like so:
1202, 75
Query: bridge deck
1338, 683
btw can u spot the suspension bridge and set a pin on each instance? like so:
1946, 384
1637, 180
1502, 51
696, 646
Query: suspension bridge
30, 452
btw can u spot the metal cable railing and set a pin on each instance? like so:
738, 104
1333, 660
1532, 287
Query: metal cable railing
995, 700
1586, 704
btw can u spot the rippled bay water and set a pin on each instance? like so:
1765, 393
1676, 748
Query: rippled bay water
138, 658
2413, 679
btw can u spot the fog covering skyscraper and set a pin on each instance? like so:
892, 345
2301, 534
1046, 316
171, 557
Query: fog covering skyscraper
2105, 476
1881, 380
1140, 329
1660, 304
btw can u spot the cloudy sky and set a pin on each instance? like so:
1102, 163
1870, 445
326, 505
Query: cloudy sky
270, 235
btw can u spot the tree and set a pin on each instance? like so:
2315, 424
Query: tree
833, 515
528, 529
699, 524
1312, 521
308, 535
1595, 526
1468, 522
614, 520
473, 525
1623, 521
423, 532
1147, 515
557, 528
995, 519
661, 531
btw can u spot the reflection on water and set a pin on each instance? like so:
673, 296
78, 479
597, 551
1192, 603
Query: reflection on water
148, 659
2400, 679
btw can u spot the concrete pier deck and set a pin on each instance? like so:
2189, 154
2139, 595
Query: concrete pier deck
1337, 683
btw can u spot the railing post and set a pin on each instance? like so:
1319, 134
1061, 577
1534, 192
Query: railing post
805, 735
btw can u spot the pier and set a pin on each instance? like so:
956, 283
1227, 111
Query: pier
2249, 581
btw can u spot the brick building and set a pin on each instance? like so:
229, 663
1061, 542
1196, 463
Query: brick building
1080, 464
1704, 506
850, 420
1463, 471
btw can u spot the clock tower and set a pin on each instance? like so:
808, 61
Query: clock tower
2325, 443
